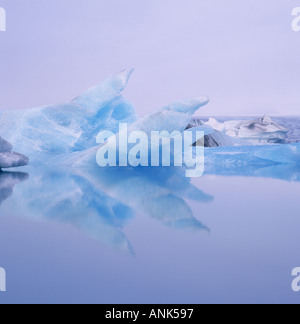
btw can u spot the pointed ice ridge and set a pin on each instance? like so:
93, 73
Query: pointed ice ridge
174, 117
97, 97
187, 106
67, 130
46, 132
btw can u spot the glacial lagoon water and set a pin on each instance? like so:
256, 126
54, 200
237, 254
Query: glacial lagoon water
149, 235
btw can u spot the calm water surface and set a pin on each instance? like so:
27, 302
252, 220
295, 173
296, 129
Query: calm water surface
148, 236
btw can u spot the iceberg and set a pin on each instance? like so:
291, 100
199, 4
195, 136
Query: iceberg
102, 201
65, 134
173, 117
12, 160
45, 132
215, 138
9, 159
259, 131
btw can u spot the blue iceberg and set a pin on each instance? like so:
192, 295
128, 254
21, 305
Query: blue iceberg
65, 135
102, 201
45, 132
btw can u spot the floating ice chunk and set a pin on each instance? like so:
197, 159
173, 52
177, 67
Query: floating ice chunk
259, 131
214, 138
9, 159
262, 130
12, 160
215, 124
218, 139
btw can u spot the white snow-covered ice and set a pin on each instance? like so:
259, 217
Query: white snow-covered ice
216, 137
259, 131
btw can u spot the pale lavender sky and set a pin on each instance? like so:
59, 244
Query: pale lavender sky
242, 54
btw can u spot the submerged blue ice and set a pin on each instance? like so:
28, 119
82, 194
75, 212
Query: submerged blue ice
273, 161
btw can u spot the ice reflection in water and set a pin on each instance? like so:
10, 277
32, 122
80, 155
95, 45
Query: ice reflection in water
7, 182
103, 201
